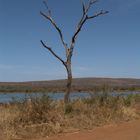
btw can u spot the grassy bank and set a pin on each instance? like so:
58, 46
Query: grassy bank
44, 117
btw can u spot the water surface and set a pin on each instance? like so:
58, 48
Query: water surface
9, 97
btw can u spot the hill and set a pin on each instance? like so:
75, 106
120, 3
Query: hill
79, 84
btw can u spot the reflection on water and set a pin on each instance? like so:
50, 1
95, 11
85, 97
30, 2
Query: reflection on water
8, 97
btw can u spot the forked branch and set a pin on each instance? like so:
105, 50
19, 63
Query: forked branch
98, 14
83, 20
49, 17
86, 9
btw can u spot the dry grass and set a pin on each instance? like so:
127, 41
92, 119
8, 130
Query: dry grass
44, 117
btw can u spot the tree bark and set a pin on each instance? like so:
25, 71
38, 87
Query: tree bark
69, 83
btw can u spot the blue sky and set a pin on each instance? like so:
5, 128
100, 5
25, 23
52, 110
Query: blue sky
108, 46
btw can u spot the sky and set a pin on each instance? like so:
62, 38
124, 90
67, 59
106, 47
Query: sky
108, 46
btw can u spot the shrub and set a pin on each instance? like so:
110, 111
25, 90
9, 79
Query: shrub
42, 116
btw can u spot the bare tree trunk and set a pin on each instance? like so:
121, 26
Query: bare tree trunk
69, 83
69, 50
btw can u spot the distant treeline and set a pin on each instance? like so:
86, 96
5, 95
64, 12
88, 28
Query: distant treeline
79, 85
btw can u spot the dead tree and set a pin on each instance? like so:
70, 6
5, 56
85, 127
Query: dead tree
69, 49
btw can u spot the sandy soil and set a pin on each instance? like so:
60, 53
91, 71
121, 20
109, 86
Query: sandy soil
121, 131
1, 135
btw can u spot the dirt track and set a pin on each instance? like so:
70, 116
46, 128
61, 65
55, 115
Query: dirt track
124, 131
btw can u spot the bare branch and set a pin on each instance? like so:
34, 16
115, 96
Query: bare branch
47, 7
56, 27
82, 21
91, 2
83, 5
52, 52
97, 14
79, 29
48, 17
86, 9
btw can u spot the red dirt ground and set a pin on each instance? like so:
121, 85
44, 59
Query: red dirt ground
122, 131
